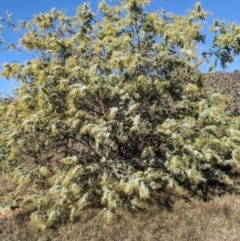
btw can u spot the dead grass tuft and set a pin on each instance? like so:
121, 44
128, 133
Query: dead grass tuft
5, 184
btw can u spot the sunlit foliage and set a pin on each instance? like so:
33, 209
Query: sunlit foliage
112, 112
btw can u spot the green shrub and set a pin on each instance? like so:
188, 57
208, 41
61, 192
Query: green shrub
112, 112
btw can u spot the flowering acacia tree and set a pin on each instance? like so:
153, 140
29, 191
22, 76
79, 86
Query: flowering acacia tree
112, 113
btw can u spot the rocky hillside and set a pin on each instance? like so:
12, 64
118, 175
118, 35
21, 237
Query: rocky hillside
228, 84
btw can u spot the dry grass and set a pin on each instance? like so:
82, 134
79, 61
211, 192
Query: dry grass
5, 184
218, 219
215, 220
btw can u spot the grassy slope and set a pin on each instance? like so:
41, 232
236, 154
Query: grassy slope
218, 219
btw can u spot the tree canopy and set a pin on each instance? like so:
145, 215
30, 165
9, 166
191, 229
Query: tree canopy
112, 112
